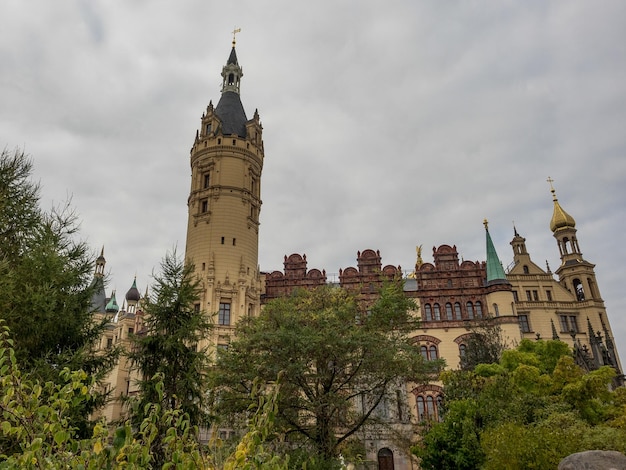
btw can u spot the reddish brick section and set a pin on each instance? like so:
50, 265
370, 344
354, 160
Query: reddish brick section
279, 284
366, 280
447, 280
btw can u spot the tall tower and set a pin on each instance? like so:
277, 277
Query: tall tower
575, 273
224, 205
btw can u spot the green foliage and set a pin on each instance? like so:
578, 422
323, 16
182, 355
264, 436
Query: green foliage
484, 345
330, 355
45, 286
529, 411
168, 347
38, 417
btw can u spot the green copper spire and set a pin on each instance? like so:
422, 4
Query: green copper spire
495, 272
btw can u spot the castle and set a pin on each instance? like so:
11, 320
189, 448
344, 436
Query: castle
453, 295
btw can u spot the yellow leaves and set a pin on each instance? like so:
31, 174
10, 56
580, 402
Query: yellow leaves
97, 447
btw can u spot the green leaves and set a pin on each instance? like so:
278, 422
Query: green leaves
331, 352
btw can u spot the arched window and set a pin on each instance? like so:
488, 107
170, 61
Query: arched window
432, 353
525, 268
437, 312
439, 407
470, 310
424, 352
430, 407
421, 408
462, 350
448, 311
479, 310
580, 291
428, 311
496, 310
457, 311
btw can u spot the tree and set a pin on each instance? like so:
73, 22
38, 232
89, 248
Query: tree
337, 361
528, 411
37, 416
169, 344
484, 345
45, 285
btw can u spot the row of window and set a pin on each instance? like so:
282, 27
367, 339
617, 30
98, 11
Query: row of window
532, 295
472, 310
429, 408
567, 323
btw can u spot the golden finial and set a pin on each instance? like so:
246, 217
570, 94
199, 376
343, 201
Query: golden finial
235, 31
418, 250
486, 224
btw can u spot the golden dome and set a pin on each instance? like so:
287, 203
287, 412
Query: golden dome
560, 218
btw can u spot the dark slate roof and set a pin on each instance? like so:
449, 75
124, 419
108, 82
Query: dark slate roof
232, 58
98, 300
231, 113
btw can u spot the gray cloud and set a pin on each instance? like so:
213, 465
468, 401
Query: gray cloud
384, 128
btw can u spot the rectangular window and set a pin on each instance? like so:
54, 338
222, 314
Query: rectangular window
109, 343
523, 323
563, 323
549, 295
223, 317
204, 206
206, 180
130, 331
528, 297
196, 308
515, 297
573, 324
535, 296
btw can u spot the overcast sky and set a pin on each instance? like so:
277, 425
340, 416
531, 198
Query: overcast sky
386, 124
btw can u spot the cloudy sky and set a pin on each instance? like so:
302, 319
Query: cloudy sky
386, 124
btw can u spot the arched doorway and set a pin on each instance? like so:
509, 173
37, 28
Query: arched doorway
385, 459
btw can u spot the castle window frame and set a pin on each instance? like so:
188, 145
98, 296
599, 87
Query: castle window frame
206, 180
204, 206
428, 312
436, 312
470, 310
457, 311
223, 315
479, 309
449, 315
524, 324
549, 295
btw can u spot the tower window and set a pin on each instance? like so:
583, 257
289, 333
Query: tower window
525, 269
523, 323
206, 181
234, 142
223, 316
549, 295
222, 240
208, 128
204, 206
535, 296
219, 141
234, 241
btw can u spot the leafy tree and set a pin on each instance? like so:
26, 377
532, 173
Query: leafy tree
484, 345
168, 345
38, 416
45, 285
529, 411
337, 362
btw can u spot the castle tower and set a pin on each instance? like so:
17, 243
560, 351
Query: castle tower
499, 292
575, 274
224, 205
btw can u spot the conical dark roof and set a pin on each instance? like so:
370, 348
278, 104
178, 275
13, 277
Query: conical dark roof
231, 113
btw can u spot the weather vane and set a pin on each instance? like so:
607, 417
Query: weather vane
235, 31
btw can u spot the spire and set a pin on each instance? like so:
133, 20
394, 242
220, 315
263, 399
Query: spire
112, 306
560, 218
495, 272
229, 109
